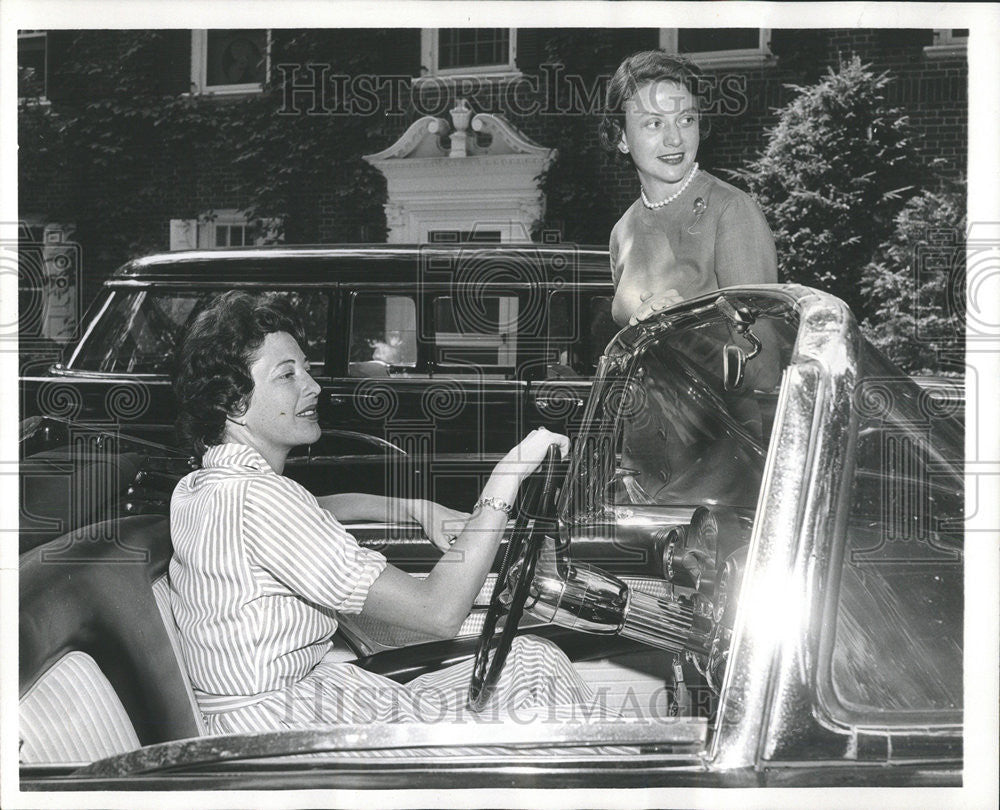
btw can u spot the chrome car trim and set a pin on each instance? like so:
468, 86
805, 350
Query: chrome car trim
189, 283
93, 325
768, 695
686, 734
367, 438
119, 377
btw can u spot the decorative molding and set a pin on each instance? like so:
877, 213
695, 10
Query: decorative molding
504, 134
425, 138
460, 185
421, 139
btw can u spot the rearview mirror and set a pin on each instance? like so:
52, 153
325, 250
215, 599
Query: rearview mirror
733, 365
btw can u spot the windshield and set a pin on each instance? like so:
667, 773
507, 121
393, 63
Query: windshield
681, 437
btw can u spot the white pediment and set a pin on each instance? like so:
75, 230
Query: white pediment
432, 137
422, 139
459, 174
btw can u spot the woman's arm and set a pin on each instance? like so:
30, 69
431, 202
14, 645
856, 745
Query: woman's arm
441, 524
438, 604
351, 506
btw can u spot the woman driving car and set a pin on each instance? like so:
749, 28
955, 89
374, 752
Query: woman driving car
262, 568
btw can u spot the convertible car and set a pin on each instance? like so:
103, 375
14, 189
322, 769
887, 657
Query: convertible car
754, 555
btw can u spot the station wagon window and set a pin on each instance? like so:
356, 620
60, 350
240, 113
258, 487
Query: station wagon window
579, 330
474, 336
478, 333
138, 332
383, 335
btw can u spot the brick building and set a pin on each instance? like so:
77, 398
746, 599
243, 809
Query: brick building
539, 91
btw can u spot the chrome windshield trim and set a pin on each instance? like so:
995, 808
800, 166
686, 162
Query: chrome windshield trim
121, 377
93, 325
769, 683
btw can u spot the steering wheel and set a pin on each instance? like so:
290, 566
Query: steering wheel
537, 507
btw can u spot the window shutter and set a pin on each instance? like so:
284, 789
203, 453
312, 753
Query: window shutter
183, 234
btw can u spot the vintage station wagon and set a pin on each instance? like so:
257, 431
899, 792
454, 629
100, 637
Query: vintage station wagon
447, 350
754, 554
458, 333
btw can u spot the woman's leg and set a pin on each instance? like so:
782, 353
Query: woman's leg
537, 673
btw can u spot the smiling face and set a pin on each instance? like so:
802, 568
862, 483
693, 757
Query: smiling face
661, 135
282, 411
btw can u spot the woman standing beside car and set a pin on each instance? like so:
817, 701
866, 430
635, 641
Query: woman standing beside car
689, 232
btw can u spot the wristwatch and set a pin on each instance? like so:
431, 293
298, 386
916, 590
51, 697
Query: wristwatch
495, 503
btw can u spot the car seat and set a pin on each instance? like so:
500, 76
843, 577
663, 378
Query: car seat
100, 671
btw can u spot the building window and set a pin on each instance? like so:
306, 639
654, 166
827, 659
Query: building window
222, 228
463, 51
32, 65
720, 47
948, 42
230, 234
230, 60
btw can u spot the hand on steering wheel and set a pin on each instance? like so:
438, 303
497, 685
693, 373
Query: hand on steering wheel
537, 508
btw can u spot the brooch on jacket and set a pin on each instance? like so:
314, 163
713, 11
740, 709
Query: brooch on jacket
698, 209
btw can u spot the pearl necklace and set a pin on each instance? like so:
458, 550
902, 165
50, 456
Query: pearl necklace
672, 197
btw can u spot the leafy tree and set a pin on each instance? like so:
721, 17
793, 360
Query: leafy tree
132, 150
838, 167
915, 284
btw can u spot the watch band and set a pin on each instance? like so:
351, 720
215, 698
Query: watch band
495, 503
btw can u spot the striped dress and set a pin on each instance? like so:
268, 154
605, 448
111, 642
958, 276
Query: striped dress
259, 573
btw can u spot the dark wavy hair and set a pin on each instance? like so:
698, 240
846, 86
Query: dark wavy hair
635, 71
212, 378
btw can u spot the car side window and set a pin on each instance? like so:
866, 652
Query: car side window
475, 335
579, 328
312, 309
139, 332
898, 643
383, 335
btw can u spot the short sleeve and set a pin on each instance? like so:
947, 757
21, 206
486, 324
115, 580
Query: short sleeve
304, 547
744, 246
